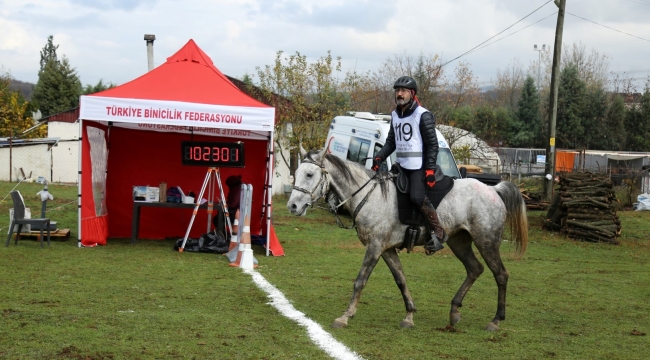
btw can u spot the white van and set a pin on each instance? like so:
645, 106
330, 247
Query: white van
358, 136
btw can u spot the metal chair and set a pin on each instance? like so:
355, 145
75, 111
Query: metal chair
19, 219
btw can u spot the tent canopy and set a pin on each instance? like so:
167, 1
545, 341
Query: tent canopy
186, 91
187, 98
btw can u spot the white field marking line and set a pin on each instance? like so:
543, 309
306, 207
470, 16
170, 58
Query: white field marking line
319, 336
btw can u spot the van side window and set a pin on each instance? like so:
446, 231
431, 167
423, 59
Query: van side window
358, 150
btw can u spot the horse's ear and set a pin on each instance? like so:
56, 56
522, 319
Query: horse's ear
303, 152
321, 154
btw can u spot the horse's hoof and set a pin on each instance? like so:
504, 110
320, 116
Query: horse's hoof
338, 324
406, 324
454, 318
492, 326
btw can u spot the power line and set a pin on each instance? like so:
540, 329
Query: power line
611, 28
637, 2
492, 37
544, 18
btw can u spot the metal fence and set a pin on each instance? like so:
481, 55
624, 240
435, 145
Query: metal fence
625, 169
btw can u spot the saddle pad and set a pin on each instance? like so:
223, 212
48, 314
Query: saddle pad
409, 214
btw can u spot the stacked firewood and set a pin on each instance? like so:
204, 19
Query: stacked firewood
534, 200
583, 208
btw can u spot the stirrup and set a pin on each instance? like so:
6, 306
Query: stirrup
434, 244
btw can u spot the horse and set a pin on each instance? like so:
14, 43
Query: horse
471, 213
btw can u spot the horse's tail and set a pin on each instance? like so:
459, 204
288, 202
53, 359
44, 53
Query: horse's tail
516, 214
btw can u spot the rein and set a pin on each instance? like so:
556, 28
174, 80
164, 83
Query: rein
324, 194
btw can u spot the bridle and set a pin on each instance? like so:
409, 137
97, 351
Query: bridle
323, 185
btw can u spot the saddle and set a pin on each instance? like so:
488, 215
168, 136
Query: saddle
409, 214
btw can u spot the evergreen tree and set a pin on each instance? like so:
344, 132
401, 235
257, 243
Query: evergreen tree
58, 87
571, 96
48, 53
100, 86
527, 124
594, 118
614, 129
634, 129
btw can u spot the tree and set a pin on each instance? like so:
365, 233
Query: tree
15, 115
637, 124
594, 115
493, 125
591, 67
571, 95
614, 134
373, 91
509, 84
306, 96
527, 125
100, 86
464, 89
58, 87
48, 53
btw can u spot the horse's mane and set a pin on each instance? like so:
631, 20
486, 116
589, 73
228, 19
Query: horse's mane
345, 168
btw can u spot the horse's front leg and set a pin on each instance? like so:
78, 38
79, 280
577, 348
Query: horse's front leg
392, 260
369, 261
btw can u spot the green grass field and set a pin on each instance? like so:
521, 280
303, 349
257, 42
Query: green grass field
566, 299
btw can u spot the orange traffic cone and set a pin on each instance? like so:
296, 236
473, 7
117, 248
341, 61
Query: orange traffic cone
235, 230
245, 258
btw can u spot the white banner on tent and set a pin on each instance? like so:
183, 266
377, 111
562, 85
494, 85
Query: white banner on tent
230, 133
141, 111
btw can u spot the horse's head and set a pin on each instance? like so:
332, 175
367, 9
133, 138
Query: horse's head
311, 183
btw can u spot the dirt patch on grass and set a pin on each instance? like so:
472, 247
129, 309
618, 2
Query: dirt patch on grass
72, 352
449, 329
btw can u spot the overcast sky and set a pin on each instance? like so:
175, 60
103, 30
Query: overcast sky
103, 39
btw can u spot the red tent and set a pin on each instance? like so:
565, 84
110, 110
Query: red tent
131, 135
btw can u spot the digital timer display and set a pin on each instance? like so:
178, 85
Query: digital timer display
219, 154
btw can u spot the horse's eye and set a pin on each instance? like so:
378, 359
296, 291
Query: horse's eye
310, 175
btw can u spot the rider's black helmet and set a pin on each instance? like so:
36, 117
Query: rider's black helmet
406, 82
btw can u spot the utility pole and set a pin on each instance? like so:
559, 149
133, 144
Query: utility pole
552, 116
539, 62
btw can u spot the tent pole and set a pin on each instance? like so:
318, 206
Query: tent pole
79, 183
269, 193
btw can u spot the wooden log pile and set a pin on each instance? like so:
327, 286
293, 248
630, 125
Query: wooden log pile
583, 208
534, 200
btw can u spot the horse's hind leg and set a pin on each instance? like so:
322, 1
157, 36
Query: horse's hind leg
492, 257
461, 245
369, 261
392, 260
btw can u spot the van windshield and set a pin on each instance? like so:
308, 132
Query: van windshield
447, 163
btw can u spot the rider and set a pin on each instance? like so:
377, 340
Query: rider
413, 134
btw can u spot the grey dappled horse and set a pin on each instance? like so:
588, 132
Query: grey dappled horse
472, 212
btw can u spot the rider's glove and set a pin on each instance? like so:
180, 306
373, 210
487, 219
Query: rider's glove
430, 177
376, 163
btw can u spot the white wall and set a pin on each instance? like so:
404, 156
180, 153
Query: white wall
32, 159
66, 154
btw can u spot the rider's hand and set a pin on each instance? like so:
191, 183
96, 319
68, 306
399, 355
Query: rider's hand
376, 163
430, 177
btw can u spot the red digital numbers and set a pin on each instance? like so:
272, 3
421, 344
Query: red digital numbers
213, 154
205, 153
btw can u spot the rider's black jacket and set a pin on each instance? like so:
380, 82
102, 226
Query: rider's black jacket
427, 130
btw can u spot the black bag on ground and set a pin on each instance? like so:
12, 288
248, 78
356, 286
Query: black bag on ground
213, 242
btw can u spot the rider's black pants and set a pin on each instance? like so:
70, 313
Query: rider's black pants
418, 187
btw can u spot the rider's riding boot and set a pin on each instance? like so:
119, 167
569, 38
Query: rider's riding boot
438, 235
